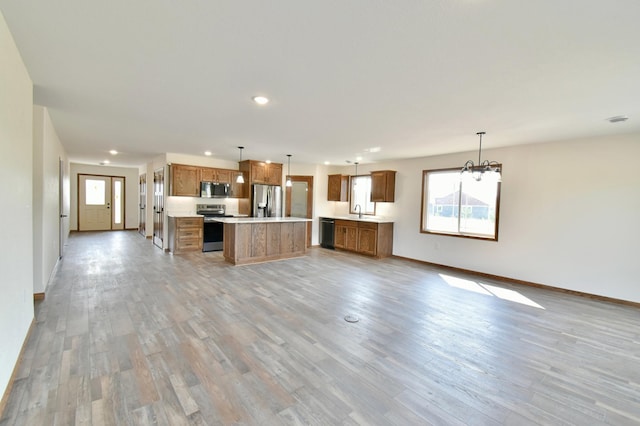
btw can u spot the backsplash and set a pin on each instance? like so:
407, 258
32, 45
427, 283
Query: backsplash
187, 205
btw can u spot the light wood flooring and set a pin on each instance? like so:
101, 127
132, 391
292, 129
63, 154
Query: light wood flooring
128, 334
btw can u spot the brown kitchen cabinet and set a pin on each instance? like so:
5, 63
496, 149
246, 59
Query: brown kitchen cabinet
208, 174
237, 189
265, 173
185, 180
338, 188
262, 172
256, 172
185, 234
370, 238
383, 186
346, 235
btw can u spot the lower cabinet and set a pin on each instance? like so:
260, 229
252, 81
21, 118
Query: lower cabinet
373, 239
185, 234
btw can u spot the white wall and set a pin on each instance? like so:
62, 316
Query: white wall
131, 191
47, 153
16, 182
568, 215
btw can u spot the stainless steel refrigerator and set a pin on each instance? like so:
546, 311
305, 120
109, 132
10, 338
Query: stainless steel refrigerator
267, 201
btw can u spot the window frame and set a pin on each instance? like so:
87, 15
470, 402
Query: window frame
351, 205
424, 210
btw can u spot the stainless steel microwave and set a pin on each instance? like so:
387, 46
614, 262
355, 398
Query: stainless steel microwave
214, 190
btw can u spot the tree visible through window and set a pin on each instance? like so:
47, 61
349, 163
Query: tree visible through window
452, 206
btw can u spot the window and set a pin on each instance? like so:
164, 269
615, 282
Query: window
464, 208
95, 192
361, 195
117, 201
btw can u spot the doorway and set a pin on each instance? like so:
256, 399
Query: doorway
100, 203
158, 207
142, 224
61, 209
300, 200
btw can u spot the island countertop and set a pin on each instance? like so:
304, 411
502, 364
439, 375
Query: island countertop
364, 218
260, 219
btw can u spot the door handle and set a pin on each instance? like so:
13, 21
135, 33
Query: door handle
63, 215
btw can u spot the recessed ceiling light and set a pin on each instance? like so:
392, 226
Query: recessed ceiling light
358, 158
102, 163
268, 161
260, 100
326, 163
208, 153
618, 119
113, 152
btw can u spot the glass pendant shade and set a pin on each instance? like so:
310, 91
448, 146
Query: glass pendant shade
240, 178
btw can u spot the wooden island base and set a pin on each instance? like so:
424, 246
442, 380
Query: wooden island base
253, 242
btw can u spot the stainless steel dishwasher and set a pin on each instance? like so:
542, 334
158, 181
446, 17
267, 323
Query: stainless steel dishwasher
327, 232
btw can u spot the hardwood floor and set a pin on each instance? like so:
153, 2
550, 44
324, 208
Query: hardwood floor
128, 334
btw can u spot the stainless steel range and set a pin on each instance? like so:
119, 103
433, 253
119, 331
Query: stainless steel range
213, 231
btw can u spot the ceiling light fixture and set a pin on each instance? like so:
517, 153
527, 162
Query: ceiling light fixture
288, 182
491, 168
240, 178
618, 119
208, 153
113, 152
260, 100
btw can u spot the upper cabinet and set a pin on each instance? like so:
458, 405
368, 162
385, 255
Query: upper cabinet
185, 180
262, 172
383, 186
338, 188
208, 174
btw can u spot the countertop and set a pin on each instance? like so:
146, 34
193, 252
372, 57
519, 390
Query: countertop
364, 218
260, 219
185, 215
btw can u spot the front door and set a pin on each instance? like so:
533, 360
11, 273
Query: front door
300, 200
100, 203
158, 207
94, 203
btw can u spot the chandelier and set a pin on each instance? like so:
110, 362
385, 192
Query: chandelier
490, 169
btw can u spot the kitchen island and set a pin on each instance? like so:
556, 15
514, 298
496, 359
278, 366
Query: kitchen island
261, 239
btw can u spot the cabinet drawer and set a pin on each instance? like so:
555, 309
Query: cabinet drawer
189, 233
367, 225
340, 222
188, 243
190, 222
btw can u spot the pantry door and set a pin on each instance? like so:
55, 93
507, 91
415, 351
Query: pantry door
94, 203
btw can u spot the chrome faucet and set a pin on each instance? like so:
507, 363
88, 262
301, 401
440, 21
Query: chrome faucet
359, 208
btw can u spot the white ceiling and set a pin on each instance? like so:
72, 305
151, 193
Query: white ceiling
414, 78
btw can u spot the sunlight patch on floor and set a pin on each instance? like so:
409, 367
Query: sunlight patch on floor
489, 290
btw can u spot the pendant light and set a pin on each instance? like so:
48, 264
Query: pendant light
240, 178
355, 178
288, 182
491, 168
